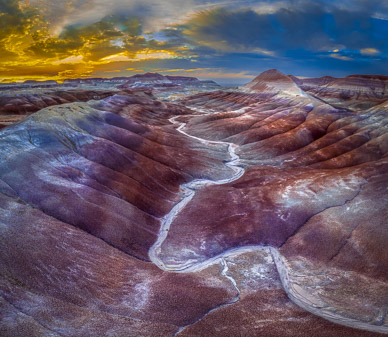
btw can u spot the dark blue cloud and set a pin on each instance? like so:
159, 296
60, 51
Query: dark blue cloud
349, 37
301, 37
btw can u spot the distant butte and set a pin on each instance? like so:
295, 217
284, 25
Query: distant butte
272, 81
166, 206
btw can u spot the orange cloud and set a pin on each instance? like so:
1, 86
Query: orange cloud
31, 49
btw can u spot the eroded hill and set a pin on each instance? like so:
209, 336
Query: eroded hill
129, 216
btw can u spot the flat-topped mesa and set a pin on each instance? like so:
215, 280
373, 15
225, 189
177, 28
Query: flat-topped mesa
273, 82
148, 77
147, 80
156, 76
371, 77
156, 79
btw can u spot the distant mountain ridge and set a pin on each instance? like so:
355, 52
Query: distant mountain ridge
146, 77
158, 80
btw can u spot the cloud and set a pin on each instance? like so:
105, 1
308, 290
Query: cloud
155, 14
369, 51
70, 60
307, 25
14, 19
226, 30
88, 37
141, 56
340, 57
221, 74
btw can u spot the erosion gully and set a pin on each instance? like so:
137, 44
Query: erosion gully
189, 190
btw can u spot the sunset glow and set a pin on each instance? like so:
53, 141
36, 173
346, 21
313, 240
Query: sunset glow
41, 39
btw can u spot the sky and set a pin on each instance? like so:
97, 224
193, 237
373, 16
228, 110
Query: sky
230, 42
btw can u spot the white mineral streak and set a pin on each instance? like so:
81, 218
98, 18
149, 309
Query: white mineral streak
189, 190
295, 292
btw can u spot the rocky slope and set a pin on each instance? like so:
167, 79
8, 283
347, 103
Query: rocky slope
18, 100
169, 87
128, 216
355, 92
13, 107
29, 103
273, 82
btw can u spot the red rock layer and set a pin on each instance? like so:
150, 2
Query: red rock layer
297, 149
356, 92
57, 280
82, 192
85, 187
23, 104
315, 187
263, 308
103, 173
273, 81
